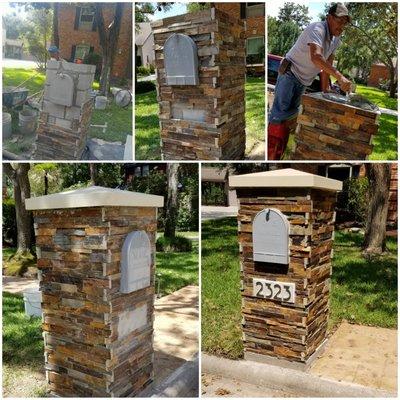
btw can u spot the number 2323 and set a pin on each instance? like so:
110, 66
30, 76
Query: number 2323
274, 290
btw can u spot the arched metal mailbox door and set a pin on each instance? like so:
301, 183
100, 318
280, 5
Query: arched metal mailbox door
271, 237
135, 262
61, 90
181, 62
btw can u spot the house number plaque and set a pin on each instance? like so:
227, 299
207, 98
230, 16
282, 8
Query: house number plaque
274, 290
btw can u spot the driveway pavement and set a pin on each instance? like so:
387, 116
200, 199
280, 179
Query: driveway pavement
11, 63
215, 212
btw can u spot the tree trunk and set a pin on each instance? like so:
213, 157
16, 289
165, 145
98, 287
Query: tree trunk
18, 173
46, 183
108, 42
56, 37
379, 184
93, 174
392, 82
172, 200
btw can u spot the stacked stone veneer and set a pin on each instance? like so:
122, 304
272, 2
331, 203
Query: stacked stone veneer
333, 131
219, 96
273, 329
62, 130
89, 350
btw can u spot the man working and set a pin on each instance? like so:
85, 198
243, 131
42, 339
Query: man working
54, 53
312, 53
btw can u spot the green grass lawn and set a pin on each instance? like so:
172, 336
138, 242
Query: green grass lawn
23, 361
119, 119
363, 292
147, 130
385, 142
377, 96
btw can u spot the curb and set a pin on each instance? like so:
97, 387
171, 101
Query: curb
301, 384
179, 384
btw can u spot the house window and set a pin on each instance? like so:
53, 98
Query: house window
86, 18
81, 51
255, 50
255, 10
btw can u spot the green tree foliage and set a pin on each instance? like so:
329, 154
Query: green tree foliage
194, 7
371, 38
78, 175
39, 33
281, 36
14, 25
297, 13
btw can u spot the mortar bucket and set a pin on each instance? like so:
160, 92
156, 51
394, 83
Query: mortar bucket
33, 302
100, 103
27, 121
6, 125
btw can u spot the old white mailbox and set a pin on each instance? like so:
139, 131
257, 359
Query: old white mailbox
61, 90
180, 59
135, 262
271, 237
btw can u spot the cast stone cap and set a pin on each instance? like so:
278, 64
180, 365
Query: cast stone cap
284, 178
94, 196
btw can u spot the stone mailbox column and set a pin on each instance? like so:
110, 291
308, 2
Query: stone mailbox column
200, 61
286, 227
96, 254
66, 111
334, 130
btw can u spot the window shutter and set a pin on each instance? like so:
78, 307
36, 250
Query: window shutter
242, 10
77, 17
73, 51
94, 26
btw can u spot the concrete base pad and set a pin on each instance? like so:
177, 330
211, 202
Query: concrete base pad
302, 383
279, 362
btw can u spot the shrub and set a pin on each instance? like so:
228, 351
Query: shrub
94, 59
353, 201
152, 69
144, 87
9, 225
142, 70
178, 244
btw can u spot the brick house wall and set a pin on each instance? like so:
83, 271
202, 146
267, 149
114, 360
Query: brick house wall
71, 36
378, 72
254, 26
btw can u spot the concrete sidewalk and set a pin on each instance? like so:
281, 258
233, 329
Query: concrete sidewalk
16, 284
359, 361
176, 331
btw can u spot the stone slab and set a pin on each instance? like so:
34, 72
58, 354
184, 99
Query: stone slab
94, 196
287, 177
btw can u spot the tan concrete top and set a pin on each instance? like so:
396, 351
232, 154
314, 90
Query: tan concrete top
287, 177
94, 196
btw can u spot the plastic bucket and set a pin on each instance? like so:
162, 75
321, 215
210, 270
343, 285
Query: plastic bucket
27, 122
33, 302
6, 125
100, 103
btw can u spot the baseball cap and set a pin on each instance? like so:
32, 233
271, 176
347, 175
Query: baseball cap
339, 10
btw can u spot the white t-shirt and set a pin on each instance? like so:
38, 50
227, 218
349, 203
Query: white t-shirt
302, 66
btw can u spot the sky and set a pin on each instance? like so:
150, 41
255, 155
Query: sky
315, 8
